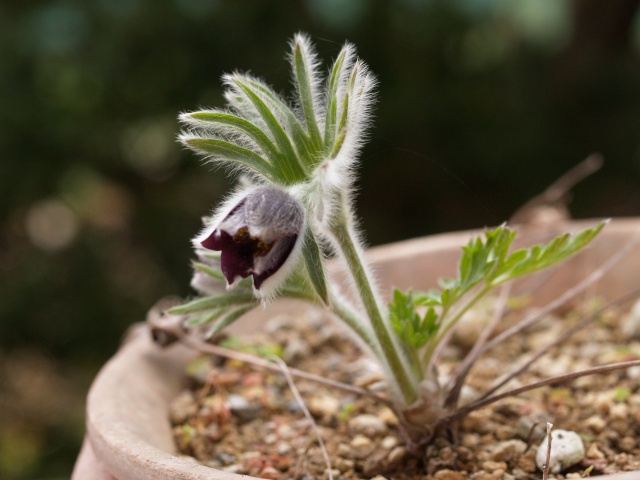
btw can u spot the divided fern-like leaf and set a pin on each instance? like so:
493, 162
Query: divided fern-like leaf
412, 329
529, 260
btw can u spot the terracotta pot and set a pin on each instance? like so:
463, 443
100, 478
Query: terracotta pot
128, 431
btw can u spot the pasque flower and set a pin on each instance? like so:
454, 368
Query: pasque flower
296, 209
258, 237
300, 159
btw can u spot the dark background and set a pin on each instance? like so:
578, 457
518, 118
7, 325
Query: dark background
482, 104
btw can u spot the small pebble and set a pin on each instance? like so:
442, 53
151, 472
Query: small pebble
334, 473
387, 416
296, 348
507, 450
531, 427
603, 401
251, 456
324, 406
389, 442
447, 474
567, 449
225, 458
243, 408
283, 448
183, 407
504, 432
270, 438
270, 473
343, 450
594, 452
631, 322
367, 424
285, 431
470, 440
595, 423
293, 406
527, 462
234, 468
628, 444
574, 476
375, 463
482, 475
619, 411
343, 464
468, 394
361, 446
491, 466
397, 455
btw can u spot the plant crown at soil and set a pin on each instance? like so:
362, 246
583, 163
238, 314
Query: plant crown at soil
305, 154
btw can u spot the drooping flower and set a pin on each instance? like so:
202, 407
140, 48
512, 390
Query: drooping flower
261, 236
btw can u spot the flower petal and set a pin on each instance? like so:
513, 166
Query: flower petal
268, 264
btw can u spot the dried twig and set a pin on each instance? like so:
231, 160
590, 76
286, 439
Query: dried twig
555, 194
286, 371
545, 470
561, 339
470, 359
567, 377
165, 326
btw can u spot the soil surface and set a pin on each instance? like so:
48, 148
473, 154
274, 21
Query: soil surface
241, 419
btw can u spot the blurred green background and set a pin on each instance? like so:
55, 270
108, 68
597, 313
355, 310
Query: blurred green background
482, 104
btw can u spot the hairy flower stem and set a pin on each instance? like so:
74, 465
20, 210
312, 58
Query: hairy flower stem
395, 365
344, 312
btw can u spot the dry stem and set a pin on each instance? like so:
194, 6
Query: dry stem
545, 470
286, 371
461, 412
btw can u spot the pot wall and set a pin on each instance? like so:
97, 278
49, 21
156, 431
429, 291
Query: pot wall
128, 431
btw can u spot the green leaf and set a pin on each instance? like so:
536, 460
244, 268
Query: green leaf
345, 111
240, 124
209, 270
303, 79
288, 163
429, 322
227, 320
313, 262
414, 331
529, 260
338, 144
198, 320
431, 298
297, 132
210, 303
232, 153
480, 258
332, 101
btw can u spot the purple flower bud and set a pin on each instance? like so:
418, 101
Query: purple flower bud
258, 235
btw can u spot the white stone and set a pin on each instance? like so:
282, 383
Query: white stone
566, 449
